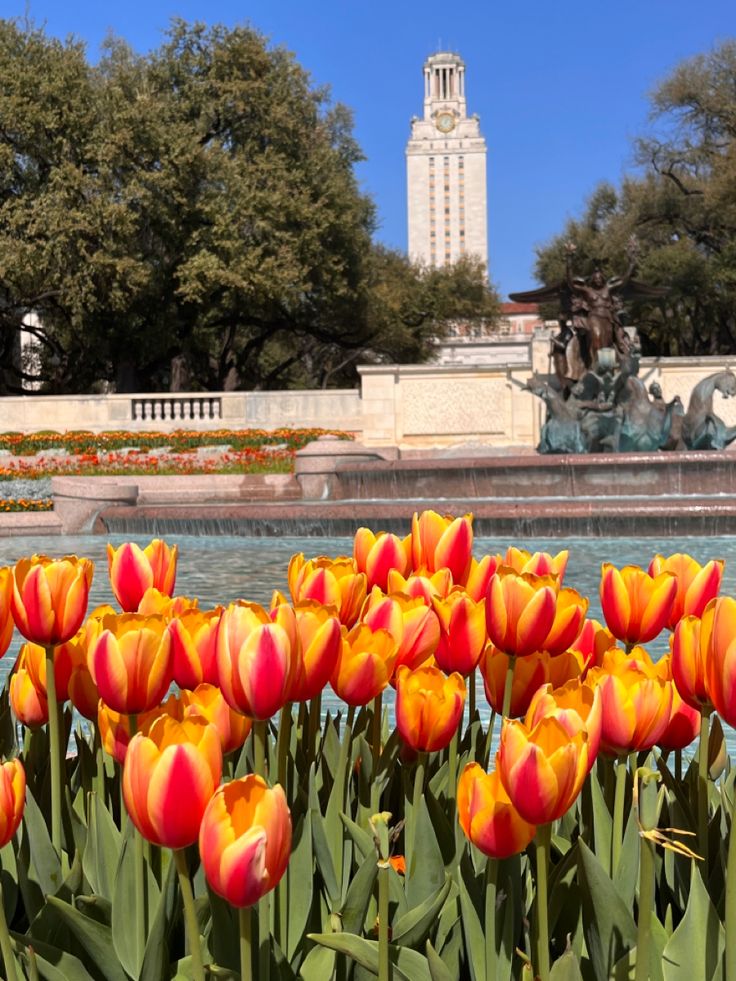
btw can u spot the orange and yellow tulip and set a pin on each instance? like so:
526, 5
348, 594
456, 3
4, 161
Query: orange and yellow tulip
133, 570
690, 651
530, 672
130, 661
7, 623
255, 662
331, 582
175, 762
697, 584
636, 606
576, 705
28, 702
439, 542
487, 816
520, 611
428, 588
154, 601
683, 726
12, 798
412, 624
570, 610
479, 576
50, 597
376, 555
245, 840
720, 666
365, 664
194, 647
429, 707
636, 699
543, 767
462, 632
538, 563
208, 702
592, 642
315, 636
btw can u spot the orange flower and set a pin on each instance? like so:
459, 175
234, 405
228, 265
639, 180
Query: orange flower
207, 701
592, 642
520, 611
133, 570
245, 840
530, 672
697, 584
130, 661
398, 864
429, 707
427, 588
331, 582
720, 665
32, 658
690, 651
487, 816
576, 705
636, 606
543, 767
50, 597
7, 623
255, 661
12, 798
538, 563
29, 704
684, 721
462, 632
479, 576
365, 664
176, 762
637, 701
194, 647
570, 613
154, 601
376, 555
439, 542
414, 626
315, 636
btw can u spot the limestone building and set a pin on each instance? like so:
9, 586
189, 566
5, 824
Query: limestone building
446, 170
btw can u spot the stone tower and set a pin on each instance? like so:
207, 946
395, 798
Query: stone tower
446, 170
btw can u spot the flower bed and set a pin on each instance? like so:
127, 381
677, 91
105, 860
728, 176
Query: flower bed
22, 504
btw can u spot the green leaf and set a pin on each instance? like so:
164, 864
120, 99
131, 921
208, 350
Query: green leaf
322, 851
44, 867
359, 894
124, 905
413, 927
566, 968
95, 938
298, 885
607, 922
54, 964
437, 969
626, 878
156, 958
475, 941
427, 874
408, 965
102, 851
361, 837
602, 820
318, 965
695, 949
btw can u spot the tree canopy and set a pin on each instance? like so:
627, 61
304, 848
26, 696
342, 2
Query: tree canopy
681, 206
191, 218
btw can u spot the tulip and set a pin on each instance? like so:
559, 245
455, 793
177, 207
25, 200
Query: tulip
720, 666
442, 542
331, 582
429, 707
315, 636
636, 606
520, 611
12, 798
377, 555
636, 701
169, 778
207, 702
255, 663
543, 767
530, 673
462, 632
479, 576
592, 642
245, 840
7, 623
570, 613
427, 588
538, 563
575, 705
690, 653
133, 570
114, 730
365, 664
683, 725
28, 702
487, 816
50, 597
154, 601
696, 585
414, 626
32, 657
194, 647
130, 661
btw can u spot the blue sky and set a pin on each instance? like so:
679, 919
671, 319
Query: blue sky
561, 88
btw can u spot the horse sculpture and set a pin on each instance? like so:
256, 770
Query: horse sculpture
701, 427
561, 433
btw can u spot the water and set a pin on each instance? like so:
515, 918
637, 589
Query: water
221, 569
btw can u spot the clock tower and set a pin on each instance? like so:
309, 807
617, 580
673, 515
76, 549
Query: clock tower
446, 170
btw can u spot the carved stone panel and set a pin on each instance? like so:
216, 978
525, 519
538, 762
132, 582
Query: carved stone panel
462, 405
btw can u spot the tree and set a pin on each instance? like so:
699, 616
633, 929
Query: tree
191, 218
682, 210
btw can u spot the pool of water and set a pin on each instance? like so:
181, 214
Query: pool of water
222, 569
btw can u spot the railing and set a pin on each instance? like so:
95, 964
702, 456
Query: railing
207, 408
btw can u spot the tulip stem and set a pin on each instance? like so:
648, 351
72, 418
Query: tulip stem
259, 747
246, 943
508, 687
471, 697
190, 914
264, 937
282, 743
542, 849
489, 741
618, 814
5, 945
646, 904
730, 922
99, 781
415, 805
678, 765
452, 768
315, 726
56, 761
703, 790
376, 741
490, 916
384, 964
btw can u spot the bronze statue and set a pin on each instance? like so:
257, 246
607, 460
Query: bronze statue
701, 427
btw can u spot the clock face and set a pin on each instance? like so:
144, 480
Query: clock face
445, 122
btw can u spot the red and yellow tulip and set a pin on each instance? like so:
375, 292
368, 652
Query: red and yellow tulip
439, 542
538, 563
487, 816
315, 636
28, 702
697, 584
414, 626
50, 597
462, 637
207, 701
133, 570
720, 666
690, 653
520, 611
429, 707
194, 647
365, 664
636, 606
7, 623
530, 672
428, 588
331, 582
12, 798
576, 705
377, 555
130, 661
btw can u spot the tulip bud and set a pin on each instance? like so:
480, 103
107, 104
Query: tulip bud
487, 816
50, 597
133, 570
429, 707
